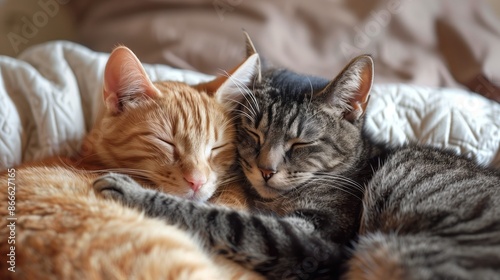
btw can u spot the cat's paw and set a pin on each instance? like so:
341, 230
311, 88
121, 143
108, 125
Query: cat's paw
117, 187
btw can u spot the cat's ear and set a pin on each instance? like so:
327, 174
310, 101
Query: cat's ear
250, 50
125, 80
350, 90
237, 84
232, 86
249, 46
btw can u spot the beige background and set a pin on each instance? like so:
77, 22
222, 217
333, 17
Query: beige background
496, 6
12, 13
57, 26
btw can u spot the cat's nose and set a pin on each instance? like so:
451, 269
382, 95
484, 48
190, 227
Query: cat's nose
267, 173
196, 180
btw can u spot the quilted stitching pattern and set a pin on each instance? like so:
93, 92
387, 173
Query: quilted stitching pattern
50, 97
450, 118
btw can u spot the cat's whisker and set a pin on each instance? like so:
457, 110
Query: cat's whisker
347, 189
253, 104
251, 94
127, 170
326, 177
250, 109
245, 114
230, 181
231, 178
232, 119
246, 92
66, 165
144, 174
339, 177
229, 123
245, 107
334, 181
328, 183
230, 130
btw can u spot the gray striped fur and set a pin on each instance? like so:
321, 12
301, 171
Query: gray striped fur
432, 215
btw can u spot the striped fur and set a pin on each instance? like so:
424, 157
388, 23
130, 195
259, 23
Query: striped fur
431, 215
168, 135
167, 140
426, 213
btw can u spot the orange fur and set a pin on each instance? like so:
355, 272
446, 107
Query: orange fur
373, 260
64, 231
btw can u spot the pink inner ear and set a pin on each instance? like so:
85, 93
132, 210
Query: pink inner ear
359, 101
365, 87
124, 76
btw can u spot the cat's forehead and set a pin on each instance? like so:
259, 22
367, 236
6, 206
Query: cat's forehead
284, 92
181, 112
287, 106
178, 90
182, 97
283, 120
287, 90
291, 86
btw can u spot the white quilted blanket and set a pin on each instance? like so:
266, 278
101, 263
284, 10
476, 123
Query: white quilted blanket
50, 96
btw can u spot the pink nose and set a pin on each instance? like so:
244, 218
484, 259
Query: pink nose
196, 180
267, 174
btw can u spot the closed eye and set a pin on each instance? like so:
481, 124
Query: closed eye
219, 147
302, 144
216, 150
167, 142
254, 135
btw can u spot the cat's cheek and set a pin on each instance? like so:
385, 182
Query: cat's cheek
278, 181
254, 176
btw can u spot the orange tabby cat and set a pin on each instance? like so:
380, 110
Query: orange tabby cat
169, 135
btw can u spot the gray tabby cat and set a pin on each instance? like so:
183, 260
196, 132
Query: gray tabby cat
426, 213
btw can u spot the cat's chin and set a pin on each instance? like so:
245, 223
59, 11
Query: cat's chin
186, 193
266, 191
267, 194
199, 196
